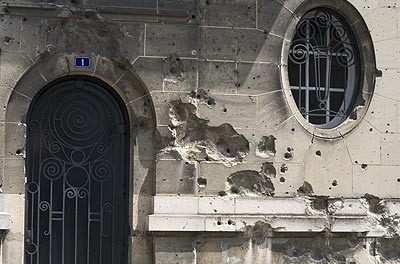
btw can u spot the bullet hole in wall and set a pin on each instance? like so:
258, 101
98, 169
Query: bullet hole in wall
305, 189
266, 146
222, 193
334, 183
288, 155
7, 40
282, 179
201, 96
318, 153
376, 205
364, 166
202, 182
19, 152
284, 168
268, 170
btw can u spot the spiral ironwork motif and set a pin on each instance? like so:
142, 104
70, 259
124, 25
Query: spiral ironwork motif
299, 52
52, 168
70, 193
44, 206
101, 170
82, 193
108, 208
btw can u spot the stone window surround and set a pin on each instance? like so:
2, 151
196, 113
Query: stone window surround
367, 61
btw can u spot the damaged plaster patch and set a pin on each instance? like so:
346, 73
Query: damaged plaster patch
175, 70
195, 140
318, 249
386, 248
259, 231
268, 170
305, 189
380, 217
250, 182
200, 96
266, 147
69, 35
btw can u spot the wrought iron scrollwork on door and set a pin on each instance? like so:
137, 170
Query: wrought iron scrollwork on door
77, 175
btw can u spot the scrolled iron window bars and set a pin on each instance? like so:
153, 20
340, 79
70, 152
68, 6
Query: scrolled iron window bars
323, 64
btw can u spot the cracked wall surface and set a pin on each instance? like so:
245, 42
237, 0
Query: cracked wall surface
203, 82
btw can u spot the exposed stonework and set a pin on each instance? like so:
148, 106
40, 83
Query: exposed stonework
251, 183
195, 140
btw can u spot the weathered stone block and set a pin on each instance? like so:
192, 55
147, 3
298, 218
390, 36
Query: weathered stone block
131, 43
236, 110
258, 46
150, 71
328, 168
175, 177
180, 75
15, 136
174, 250
229, 13
273, 17
14, 176
220, 43
33, 33
216, 175
176, 39
179, 205
190, 6
142, 250
216, 205
162, 102
258, 78
382, 23
272, 110
382, 114
365, 6
10, 37
387, 53
152, 4
218, 77
273, 206
390, 145
12, 66
361, 152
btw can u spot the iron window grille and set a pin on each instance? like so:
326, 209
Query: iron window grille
323, 68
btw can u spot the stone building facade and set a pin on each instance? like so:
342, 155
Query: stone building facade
223, 168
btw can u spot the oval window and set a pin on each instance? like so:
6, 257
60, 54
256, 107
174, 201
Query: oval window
324, 68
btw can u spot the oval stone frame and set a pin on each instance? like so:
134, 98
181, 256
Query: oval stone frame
368, 69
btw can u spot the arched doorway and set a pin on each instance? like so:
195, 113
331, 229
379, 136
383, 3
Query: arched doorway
77, 174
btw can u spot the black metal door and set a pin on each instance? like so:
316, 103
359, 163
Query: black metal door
77, 175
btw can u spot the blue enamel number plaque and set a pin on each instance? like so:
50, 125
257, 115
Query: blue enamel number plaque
82, 62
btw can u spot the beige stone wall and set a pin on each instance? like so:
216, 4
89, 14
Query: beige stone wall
205, 82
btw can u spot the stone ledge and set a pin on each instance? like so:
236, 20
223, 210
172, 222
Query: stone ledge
192, 205
233, 223
300, 214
